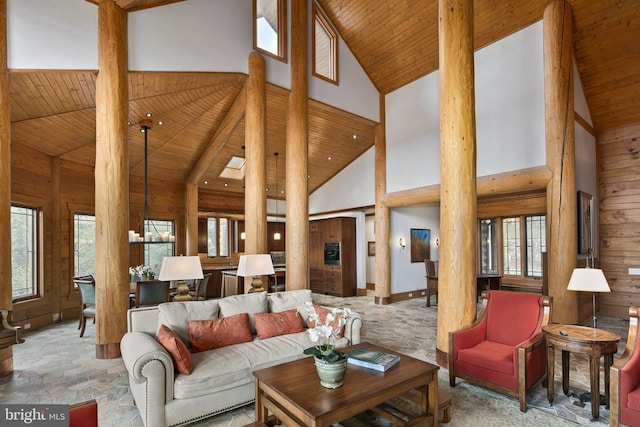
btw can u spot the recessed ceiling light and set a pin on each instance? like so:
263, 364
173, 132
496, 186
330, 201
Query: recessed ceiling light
149, 114
205, 182
160, 123
329, 158
355, 136
129, 122
226, 184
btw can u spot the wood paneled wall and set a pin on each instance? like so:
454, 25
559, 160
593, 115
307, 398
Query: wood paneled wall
619, 192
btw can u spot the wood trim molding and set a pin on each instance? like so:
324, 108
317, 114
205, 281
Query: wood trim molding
584, 124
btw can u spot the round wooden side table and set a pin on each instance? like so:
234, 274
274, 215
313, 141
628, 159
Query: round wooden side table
581, 339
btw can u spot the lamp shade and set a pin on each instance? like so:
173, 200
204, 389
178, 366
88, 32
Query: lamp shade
180, 268
255, 265
588, 280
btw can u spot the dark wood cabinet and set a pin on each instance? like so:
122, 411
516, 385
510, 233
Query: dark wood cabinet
333, 279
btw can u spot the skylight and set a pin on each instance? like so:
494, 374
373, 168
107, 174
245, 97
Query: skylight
234, 169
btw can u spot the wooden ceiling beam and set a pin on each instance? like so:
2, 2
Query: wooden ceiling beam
222, 134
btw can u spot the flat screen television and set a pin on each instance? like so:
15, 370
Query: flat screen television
332, 253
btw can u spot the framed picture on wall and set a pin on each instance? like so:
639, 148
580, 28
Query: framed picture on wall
584, 222
420, 244
371, 248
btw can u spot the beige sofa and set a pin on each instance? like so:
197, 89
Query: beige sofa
222, 378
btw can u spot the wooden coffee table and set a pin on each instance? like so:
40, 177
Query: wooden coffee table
292, 392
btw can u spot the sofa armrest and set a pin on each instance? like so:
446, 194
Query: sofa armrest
151, 374
352, 328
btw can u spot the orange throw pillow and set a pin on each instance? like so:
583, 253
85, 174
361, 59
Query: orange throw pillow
322, 314
274, 324
176, 348
215, 333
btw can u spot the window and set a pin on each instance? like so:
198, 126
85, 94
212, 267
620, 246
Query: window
24, 252
270, 27
84, 244
155, 252
325, 48
217, 237
520, 247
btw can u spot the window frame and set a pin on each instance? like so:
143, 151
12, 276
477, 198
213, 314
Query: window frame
319, 16
523, 278
147, 247
37, 254
282, 32
217, 219
73, 215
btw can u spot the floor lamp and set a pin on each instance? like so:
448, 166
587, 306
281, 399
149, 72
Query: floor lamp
589, 280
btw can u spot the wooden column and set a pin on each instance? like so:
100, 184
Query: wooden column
6, 303
255, 199
457, 272
297, 155
191, 217
562, 245
382, 222
111, 181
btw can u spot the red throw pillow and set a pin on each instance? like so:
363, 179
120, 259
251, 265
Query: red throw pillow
176, 348
322, 314
215, 333
274, 324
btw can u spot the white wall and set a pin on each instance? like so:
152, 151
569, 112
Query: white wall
405, 275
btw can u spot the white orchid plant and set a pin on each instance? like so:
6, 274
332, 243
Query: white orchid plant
325, 334
141, 271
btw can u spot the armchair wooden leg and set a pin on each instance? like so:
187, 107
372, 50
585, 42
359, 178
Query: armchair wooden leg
83, 322
428, 298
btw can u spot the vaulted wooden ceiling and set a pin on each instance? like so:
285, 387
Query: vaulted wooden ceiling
396, 42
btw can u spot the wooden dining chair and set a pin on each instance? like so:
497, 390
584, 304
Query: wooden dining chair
431, 269
200, 291
87, 287
151, 292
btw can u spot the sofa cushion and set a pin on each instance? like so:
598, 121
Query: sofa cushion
322, 315
489, 355
176, 348
215, 333
281, 323
245, 303
283, 301
176, 315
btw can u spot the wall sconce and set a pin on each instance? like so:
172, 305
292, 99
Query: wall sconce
402, 243
243, 235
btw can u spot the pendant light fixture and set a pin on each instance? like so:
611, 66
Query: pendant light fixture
276, 235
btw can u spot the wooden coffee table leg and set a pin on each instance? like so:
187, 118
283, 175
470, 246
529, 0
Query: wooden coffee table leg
608, 361
550, 372
594, 361
433, 398
262, 414
565, 372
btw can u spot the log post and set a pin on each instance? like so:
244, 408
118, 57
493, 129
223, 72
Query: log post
297, 156
562, 237
255, 200
111, 181
6, 300
457, 272
191, 217
382, 221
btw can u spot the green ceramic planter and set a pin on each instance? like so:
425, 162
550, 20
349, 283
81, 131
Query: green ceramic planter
331, 374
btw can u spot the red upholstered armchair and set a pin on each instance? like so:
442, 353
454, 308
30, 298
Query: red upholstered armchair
84, 414
625, 379
504, 349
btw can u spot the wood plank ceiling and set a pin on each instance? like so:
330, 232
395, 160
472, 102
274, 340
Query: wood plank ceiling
396, 42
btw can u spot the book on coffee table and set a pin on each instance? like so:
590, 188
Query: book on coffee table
373, 359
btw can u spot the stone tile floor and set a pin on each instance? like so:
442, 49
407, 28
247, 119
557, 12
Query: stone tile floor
55, 365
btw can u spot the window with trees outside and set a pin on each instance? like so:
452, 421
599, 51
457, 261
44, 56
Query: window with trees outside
217, 237
325, 47
270, 27
24, 252
84, 244
511, 249
155, 252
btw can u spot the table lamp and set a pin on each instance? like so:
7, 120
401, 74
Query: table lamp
181, 268
589, 280
255, 266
